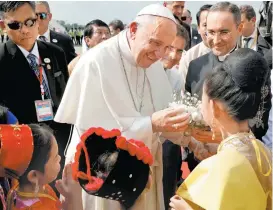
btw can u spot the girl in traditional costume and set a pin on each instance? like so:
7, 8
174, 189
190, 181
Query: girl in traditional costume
6, 117
239, 176
40, 166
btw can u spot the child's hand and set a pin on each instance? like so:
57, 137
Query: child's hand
177, 203
67, 186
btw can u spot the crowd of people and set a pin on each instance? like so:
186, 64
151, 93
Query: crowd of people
106, 129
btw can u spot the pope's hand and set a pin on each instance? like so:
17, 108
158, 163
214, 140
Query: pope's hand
178, 203
170, 120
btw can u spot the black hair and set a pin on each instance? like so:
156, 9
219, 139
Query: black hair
228, 7
182, 32
117, 24
3, 115
88, 29
42, 139
237, 83
248, 11
11, 6
205, 7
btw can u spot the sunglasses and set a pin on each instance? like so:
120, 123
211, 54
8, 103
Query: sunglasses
183, 18
15, 25
42, 15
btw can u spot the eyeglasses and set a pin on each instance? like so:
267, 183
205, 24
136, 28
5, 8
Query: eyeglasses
101, 33
222, 34
15, 25
42, 15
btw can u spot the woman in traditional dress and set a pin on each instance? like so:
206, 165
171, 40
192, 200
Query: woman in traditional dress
239, 175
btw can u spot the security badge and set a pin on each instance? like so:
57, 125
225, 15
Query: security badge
43, 107
47, 61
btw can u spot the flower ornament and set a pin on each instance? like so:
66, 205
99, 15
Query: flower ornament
191, 104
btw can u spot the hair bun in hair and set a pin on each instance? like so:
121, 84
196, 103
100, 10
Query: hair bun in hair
247, 68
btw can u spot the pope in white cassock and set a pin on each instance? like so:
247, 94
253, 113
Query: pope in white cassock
121, 84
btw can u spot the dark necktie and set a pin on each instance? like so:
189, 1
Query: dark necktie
34, 66
246, 41
43, 38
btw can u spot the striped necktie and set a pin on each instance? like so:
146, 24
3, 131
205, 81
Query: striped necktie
43, 38
246, 41
34, 66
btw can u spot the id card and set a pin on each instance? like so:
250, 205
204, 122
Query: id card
44, 110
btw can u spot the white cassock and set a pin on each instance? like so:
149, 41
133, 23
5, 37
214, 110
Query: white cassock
97, 94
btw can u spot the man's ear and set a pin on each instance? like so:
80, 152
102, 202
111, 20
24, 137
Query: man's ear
240, 28
49, 16
253, 20
133, 29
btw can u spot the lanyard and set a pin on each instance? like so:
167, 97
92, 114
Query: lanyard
40, 78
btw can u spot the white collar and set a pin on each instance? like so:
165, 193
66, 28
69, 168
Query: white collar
46, 35
223, 57
34, 51
253, 35
125, 48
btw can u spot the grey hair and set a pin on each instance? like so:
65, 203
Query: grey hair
248, 11
182, 32
228, 7
45, 3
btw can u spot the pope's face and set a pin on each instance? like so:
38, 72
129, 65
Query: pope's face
150, 41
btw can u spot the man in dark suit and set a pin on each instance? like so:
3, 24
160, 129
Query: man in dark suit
177, 8
251, 37
31, 70
223, 30
195, 36
61, 40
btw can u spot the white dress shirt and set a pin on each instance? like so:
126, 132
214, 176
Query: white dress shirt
252, 44
46, 35
35, 52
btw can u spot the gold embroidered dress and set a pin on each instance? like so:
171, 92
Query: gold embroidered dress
239, 177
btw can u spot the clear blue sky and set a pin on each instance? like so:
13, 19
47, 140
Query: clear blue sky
82, 12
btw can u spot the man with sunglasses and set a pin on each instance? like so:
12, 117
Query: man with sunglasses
33, 73
45, 34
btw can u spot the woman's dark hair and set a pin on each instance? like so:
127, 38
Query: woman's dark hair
3, 115
237, 83
42, 139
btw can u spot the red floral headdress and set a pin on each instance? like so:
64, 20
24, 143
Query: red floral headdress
16, 148
134, 148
